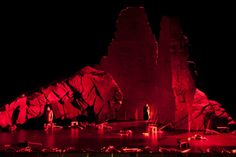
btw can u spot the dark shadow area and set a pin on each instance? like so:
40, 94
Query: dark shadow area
15, 115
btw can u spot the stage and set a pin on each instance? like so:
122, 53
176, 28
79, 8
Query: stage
120, 136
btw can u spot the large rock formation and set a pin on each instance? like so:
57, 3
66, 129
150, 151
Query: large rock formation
202, 106
89, 88
173, 65
160, 78
132, 61
191, 105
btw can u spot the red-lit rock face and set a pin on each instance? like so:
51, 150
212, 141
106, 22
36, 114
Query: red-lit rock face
131, 60
146, 74
160, 79
201, 106
96, 88
163, 80
173, 45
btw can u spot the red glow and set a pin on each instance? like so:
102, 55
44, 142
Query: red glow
74, 133
152, 129
146, 134
154, 139
100, 129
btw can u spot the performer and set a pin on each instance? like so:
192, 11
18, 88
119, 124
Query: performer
48, 118
146, 112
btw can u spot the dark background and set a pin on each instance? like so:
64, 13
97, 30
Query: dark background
41, 43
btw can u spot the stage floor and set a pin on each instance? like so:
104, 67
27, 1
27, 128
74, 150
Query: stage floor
92, 139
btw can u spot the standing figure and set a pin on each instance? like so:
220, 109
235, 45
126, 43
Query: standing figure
48, 118
146, 112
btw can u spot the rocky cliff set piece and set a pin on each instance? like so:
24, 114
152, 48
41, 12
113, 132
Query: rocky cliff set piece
69, 99
147, 72
153, 73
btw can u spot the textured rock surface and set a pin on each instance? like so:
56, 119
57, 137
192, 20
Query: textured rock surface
132, 60
161, 78
202, 106
173, 54
68, 98
198, 110
145, 75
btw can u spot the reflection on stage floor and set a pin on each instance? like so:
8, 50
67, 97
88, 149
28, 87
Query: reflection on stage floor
118, 137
